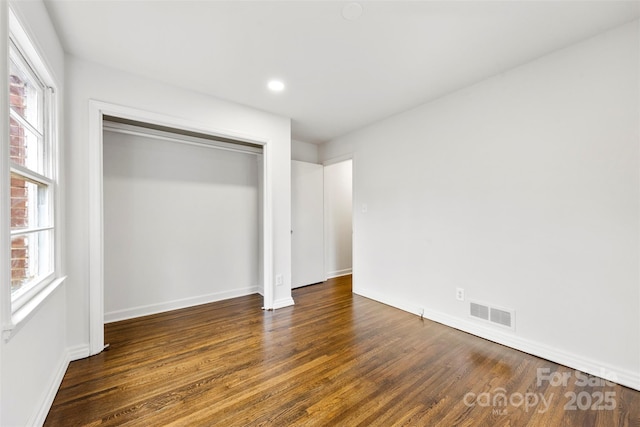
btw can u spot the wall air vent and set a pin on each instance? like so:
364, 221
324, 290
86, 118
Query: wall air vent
498, 316
479, 310
502, 317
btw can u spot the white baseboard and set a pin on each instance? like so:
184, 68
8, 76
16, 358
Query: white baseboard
620, 376
281, 303
338, 273
45, 405
145, 310
78, 352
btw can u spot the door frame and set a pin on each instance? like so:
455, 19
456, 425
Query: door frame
97, 111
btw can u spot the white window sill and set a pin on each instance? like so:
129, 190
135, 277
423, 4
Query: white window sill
20, 317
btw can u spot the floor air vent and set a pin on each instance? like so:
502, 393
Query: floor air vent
494, 315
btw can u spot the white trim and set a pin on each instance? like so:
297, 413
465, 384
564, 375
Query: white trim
339, 273
267, 229
5, 198
78, 352
145, 310
21, 306
24, 122
96, 245
71, 354
281, 303
40, 416
98, 109
30, 48
26, 311
153, 118
31, 175
23, 231
508, 338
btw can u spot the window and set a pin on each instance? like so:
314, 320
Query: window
32, 173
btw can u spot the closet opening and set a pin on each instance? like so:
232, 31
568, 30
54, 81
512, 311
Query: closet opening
180, 215
181, 219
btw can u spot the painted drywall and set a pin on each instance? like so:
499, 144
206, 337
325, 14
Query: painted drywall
88, 81
33, 361
523, 190
304, 151
337, 218
33, 364
180, 225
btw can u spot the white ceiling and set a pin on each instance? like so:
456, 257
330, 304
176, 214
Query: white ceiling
340, 74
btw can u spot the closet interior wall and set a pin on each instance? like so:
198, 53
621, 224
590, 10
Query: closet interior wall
181, 221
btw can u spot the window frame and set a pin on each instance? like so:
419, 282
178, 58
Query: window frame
20, 306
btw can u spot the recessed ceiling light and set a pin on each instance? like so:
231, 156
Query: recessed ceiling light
352, 11
276, 86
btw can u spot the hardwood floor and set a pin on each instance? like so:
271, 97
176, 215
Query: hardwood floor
334, 359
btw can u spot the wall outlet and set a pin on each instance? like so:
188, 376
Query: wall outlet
279, 280
460, 294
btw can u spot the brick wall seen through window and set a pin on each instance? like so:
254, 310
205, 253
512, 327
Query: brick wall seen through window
19, 195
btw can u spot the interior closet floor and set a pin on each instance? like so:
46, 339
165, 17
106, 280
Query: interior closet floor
334, 358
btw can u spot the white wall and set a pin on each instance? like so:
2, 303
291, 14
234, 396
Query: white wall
33, 361
337, 218
180, 225
33, 364
304, 151
92, 81
524, 191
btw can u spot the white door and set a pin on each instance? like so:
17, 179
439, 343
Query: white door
307, 224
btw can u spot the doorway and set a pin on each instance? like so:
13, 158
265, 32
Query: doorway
338, 213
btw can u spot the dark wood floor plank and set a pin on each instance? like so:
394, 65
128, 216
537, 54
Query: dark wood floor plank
332, 359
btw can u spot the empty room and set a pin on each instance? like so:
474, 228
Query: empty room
320, 213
